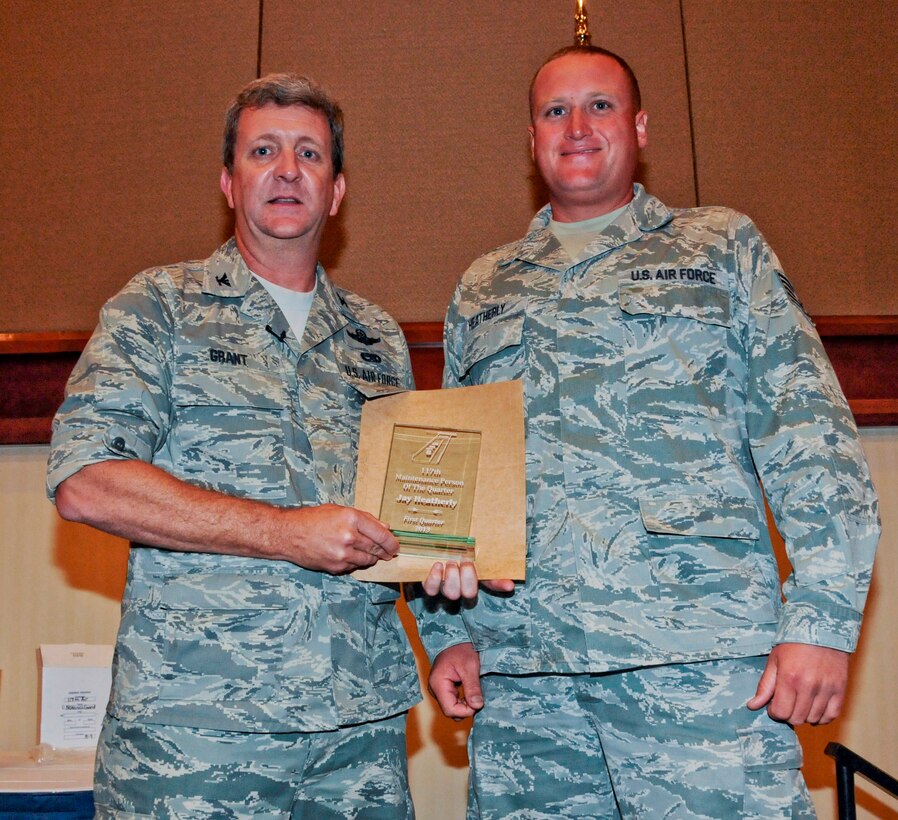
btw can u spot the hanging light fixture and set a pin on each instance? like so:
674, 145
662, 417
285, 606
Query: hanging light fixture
582, 37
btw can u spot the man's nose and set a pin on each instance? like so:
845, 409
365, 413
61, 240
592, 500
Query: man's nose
287, 166
578, 125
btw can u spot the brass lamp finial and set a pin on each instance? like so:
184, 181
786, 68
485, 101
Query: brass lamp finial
582, 37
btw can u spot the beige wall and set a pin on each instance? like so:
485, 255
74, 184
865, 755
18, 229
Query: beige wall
112, 120
110, 134
794, 123
869, 724
62, 582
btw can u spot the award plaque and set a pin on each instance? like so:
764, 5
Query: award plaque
429, 491
444, 470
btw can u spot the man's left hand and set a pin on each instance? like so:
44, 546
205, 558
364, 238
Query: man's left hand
803, 684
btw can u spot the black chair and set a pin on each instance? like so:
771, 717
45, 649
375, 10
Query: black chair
847, 763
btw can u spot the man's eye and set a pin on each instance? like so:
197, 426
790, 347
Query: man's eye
602, 105
555, 111
308, 153
262, 151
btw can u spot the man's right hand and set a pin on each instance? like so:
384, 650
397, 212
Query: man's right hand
147, 505
335, 539
455, 681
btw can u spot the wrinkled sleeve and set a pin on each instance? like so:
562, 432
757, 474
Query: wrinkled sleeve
116, 402
401, 345
808, 454
452, 343
439, 622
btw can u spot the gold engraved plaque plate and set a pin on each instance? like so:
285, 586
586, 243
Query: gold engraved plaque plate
429, 491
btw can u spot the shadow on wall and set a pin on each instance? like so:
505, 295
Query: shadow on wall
91, 560
449, 736
819, 769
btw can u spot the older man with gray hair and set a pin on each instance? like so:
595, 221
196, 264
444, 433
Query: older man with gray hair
213, 421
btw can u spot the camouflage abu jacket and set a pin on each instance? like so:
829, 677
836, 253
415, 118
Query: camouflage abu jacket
663, 374
194, 369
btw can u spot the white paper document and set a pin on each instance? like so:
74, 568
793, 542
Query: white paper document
75, 683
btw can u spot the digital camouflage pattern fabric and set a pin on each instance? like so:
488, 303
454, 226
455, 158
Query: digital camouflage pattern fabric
196, 774
676, 740
194, 369
663, 374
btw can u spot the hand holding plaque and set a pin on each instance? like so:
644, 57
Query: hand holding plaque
444, 469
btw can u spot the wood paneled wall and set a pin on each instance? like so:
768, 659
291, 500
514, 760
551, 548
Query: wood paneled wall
113, 112
34, 368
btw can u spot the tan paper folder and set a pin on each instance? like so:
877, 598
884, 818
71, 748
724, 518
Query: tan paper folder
445, 470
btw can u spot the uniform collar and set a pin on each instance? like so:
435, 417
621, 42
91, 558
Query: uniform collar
226, 273
227, 276
644, 213
329, 313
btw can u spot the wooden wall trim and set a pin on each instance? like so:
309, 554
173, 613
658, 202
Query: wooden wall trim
829, 326
35, 366
423, 334
64, 342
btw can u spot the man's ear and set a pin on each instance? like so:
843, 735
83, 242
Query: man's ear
225, 182
339, 193
642, 134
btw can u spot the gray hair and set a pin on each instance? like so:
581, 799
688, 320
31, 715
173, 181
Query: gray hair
284, 90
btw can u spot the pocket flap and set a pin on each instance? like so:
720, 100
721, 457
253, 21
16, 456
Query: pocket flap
228, 385
695, 515
383, 593
213, 591
769, 747
368, 385
371, 374
705, 303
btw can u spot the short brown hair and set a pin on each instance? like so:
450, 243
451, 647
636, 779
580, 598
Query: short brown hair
284, 90
598, 51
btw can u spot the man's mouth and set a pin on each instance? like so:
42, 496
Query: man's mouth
577, 151
284, 200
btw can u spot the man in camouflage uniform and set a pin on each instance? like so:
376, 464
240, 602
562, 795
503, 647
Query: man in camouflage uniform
667, 367
213, 420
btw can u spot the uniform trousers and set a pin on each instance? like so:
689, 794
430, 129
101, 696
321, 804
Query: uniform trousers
157, 771
671, 741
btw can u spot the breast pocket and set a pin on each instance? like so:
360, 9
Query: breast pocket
493, 350
677, 347
228, 429
223, 637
